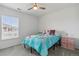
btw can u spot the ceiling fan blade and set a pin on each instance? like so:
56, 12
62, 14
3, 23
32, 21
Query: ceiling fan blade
29, 8
42, 8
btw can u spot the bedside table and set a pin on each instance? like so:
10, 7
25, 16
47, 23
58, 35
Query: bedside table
68, 43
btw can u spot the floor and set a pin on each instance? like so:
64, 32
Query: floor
19, 50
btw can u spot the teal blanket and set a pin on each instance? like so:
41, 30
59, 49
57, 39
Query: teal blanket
41, 43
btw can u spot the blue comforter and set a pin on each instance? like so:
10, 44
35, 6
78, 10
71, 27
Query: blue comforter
41, 43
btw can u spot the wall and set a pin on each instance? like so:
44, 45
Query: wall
28, 25
66, 20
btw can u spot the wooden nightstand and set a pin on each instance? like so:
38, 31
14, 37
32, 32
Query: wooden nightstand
68, 42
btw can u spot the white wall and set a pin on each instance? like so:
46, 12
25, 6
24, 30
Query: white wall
66, 20
28, 25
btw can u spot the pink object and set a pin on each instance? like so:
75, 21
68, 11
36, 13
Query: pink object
71, 44
64, 42
68, 43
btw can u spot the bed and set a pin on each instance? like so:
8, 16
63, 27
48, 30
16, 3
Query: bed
41, 43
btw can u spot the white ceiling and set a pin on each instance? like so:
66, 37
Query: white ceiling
50, 7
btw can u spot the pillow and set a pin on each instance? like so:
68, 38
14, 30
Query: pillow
51, 32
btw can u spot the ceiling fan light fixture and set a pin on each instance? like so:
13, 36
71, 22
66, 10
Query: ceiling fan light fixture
35, 8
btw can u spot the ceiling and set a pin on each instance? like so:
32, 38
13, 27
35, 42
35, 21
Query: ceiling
50, 7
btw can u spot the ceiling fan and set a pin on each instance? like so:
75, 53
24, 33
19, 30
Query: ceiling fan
36, 6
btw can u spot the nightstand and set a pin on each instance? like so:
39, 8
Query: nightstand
68, 43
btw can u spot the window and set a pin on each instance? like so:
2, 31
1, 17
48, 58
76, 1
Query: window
10, 27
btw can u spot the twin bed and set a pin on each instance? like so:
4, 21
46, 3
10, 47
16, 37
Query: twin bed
41, 42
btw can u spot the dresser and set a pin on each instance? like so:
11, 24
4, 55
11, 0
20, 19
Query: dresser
68, 43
